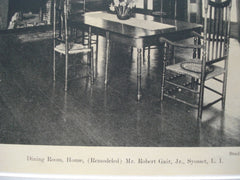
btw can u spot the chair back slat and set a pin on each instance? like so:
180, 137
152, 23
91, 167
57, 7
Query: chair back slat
217, 31
210, 30
214, 31
218, 24
58, 19
66, 8
221, 35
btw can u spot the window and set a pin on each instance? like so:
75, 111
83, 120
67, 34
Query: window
234, 11
140, 4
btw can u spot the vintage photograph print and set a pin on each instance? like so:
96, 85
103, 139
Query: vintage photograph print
119, 88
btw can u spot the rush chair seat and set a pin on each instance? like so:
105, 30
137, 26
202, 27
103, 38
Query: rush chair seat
64, 44
210, 61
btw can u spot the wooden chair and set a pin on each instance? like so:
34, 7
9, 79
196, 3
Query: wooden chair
62, 41
211, 63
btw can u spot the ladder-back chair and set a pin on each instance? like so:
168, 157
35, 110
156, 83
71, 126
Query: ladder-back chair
211, 63
63, 43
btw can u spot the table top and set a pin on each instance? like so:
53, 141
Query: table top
138, 26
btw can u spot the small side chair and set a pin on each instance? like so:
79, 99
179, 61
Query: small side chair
63, 44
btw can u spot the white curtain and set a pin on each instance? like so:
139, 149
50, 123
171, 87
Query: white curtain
140, 4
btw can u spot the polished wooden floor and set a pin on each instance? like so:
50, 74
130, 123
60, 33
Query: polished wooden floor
34, 110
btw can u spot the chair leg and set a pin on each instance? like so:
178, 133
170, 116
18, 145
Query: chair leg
163, 81
83, 37
195, 50
107, 58
54, 65
143, 54
97, 37
172, 55
224, 90
66, 72
139, 73
200, 101
96, 58
149, 51
92, 66
165, 49
131, 52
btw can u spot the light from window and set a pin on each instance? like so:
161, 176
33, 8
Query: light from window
140, 4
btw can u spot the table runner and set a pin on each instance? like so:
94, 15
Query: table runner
141, 23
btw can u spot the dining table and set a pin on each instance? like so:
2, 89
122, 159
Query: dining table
139, 31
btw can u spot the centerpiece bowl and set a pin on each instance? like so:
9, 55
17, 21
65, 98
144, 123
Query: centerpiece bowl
123, 13
123, 8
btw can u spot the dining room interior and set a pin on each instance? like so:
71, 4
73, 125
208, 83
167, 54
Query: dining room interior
106, 104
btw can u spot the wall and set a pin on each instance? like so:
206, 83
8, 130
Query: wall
3, 14
94, 5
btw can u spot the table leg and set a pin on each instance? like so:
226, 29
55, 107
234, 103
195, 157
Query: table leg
148, 67
139, 72
89, 42
149, 52
89, 37
107, 58
90, 55
96, 59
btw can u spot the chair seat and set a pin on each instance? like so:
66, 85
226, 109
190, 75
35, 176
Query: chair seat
177, 68
75, 48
